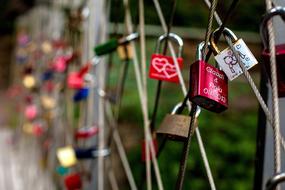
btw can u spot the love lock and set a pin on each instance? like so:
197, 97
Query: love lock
143, 151
75, 80
31, 112
86, 132
59, 64
175, 126
91, 153
73, 181
66, 156
48, 102
29, 81
162, 67
81, 94
280, 50
208, 85
226, 59
125, 52
113, 44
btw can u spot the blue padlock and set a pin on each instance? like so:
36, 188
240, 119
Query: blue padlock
81, 94
47, 75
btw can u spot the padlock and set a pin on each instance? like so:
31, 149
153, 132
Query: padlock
280, 50
175, 126
81, 94
143, 152
59, 64
38, 129
66, 156
29, 81
31, 112
91, 153
125, 52
86, 132
226, 59
113, 44
62, 170
48, 102
73, 181
162, 67
75, 80
208, 85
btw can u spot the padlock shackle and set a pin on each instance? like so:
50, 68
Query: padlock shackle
263, 29
178, 106
226, 32
128, 38
173, 37
274, 181
199, 50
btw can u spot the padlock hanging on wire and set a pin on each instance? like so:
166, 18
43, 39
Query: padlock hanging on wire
113, 44
176, 126
280, 50
226, 58
162, 67
75, 80
208, 84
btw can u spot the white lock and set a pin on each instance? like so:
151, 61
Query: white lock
226, 59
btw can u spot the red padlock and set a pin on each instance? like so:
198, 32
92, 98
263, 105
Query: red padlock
208, 85
155, 144
85, 133
73, 181
75, 80
280, 50
162, 67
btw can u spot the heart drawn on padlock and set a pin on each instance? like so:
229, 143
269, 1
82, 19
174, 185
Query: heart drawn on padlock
169, 70
162, 65
158, 64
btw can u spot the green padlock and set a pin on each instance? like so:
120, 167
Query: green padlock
112, 44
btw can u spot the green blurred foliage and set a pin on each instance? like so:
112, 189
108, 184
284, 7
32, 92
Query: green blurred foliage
246, 16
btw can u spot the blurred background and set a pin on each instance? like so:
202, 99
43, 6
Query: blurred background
229, 137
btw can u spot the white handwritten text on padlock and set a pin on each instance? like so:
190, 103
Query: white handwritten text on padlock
215, 91
228, 62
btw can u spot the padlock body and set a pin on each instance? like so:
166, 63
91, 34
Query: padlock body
163, 68
208, 87
175, 127
143, 153
228, 62
280, 67
74, 81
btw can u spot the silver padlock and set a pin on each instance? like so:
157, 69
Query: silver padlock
226, 59
175, 126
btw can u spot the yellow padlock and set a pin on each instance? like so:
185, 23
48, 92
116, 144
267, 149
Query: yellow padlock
125, 52
66, 156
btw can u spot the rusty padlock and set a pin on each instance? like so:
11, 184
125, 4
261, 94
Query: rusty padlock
162, 67
208, 85
226, 58
280, 50
75, 80
176, 126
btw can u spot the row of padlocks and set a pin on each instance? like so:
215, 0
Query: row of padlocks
57, 88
